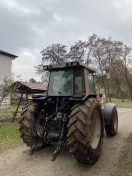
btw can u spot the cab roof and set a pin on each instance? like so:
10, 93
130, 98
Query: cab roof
66, 65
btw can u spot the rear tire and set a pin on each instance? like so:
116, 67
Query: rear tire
83, 145
28, 126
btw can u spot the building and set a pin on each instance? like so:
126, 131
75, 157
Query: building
5, 71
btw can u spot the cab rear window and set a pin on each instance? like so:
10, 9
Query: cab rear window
79, 81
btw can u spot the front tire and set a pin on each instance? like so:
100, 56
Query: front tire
85, 132
112, 128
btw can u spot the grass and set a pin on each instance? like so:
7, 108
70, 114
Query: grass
125, 159
120, 104
9, 135
9, 114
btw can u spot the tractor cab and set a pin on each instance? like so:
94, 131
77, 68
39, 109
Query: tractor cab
72, 79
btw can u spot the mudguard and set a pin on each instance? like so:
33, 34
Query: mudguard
107, 112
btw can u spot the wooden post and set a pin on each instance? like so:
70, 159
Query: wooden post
27, 97
17, 108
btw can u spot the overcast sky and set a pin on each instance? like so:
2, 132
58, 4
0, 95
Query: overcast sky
27, 26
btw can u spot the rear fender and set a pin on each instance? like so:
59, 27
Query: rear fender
108, 111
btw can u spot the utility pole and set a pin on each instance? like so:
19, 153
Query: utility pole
108, 81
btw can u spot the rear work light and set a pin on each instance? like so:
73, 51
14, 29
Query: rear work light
45, 67
74, 63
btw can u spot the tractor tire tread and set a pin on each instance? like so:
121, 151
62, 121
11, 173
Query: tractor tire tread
78, 122
26, 125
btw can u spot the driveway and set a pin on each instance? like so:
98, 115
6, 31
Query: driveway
18, 162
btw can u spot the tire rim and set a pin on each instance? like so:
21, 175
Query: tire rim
115, 122
40, 124
95, 129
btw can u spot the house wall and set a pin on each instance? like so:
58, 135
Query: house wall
5, 67
5, 71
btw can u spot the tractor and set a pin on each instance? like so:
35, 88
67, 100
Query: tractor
70, 113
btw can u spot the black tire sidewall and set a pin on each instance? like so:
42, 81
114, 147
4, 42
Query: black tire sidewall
109, 128
95, 153
113, 118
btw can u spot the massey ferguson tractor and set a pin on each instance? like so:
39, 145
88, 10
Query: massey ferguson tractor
69, 114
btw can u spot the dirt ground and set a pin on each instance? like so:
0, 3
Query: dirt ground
18, 162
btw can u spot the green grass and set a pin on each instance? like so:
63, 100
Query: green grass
13, 108
119, 103
9, 114
9, 135
125, 160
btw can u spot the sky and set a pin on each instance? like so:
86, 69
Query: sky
28, 26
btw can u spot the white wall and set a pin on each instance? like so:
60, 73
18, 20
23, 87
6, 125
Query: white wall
5, 71
5, 67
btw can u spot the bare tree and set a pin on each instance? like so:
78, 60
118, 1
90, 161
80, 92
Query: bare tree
115, 65
117, 77
127, 61
90, 44
6, 89
55, 53
39, 69
32, 80
105, 55
99, 59
45, 78
77, 51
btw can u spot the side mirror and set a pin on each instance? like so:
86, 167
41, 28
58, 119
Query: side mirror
100, 95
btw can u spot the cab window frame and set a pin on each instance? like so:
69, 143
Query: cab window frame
91, 86
83, 80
